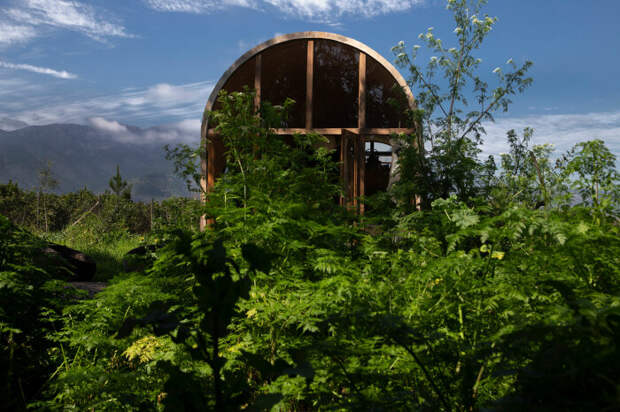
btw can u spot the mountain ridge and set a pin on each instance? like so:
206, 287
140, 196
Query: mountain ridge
85, 156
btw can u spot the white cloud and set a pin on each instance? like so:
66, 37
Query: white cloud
190, 125
31, 15
15, 33
111, 126
562, 130
185, 131
152, 105
314, 10
62, 74
197, 6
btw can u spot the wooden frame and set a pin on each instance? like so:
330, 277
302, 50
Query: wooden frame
334, 131
354, 186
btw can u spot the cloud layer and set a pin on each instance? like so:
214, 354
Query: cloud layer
62, 74
561, 130
27, 18
185, 131
314, 10
160, 103
11, 33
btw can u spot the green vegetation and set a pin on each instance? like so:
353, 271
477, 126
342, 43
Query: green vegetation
501, 293
104, 226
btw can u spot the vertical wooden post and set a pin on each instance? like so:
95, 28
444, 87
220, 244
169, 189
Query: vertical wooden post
361, 114
360, 153
258, 72
309, 82
362, 171
356, 169
344, 168
210, 164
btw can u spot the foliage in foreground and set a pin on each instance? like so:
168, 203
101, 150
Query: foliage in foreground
501, 294
29, 314
288, 302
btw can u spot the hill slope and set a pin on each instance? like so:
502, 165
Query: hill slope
86, 156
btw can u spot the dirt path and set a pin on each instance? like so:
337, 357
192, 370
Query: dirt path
91, 287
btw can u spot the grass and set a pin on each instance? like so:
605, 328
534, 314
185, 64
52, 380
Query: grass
107, 248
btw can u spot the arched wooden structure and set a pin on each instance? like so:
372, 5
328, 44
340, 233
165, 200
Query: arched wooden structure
343, 90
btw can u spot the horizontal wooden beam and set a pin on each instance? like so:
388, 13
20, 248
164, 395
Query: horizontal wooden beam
355, 130
338, 131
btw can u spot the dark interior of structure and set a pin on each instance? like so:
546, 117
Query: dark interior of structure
340, 91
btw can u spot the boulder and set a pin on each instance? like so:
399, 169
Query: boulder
140, 258
69, 264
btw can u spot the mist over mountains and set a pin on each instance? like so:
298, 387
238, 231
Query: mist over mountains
87, 155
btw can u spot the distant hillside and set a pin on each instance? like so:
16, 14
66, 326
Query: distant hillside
84, 156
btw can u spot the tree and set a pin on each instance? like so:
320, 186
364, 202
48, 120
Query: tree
47, 182
442, 159
119, 186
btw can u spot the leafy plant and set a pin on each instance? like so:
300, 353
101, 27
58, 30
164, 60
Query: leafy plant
596, 177
442, 159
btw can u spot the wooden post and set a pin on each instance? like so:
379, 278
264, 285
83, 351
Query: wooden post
257, 81
344, 167
362, 171
360, 153
210, 164
210, 181
356, 169
309, 82
361, 114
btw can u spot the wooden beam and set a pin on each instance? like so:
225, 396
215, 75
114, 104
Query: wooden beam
258, 73
336, 131
387, 131
361, 112
360, 141
362, 171
210, 165
309, 82
344, 155
356, 169
324, 131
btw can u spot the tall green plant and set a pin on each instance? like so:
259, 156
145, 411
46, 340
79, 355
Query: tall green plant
47, 182
595, 176
442, 159
528, 176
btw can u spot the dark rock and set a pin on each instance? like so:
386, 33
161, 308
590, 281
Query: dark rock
140, 258
69, 264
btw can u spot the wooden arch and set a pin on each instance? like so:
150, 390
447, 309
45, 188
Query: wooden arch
350, 140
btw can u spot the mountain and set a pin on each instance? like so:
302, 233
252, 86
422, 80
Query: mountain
85, 156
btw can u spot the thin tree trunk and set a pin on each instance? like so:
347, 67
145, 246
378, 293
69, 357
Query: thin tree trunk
45, 212
151, 229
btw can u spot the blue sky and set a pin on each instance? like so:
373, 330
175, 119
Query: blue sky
154, 62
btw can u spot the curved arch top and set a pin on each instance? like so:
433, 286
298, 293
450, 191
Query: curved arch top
307, 35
